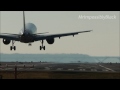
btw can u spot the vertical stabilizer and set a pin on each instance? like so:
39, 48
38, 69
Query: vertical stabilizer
24, 21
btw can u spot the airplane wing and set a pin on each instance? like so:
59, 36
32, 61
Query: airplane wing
10, 36
42, 37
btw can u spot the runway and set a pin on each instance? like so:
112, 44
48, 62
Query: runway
72, 67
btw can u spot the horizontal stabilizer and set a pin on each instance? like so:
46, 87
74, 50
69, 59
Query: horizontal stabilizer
42, 33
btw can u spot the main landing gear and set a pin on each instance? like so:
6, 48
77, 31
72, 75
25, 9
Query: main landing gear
13, 47
42, 47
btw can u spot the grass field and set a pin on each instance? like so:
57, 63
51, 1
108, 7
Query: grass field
59, 75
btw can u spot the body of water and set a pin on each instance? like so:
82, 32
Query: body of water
57, 58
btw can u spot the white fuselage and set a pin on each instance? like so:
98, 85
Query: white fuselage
27, 34
29, 28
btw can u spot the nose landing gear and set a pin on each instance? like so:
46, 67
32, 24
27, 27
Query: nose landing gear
29, 44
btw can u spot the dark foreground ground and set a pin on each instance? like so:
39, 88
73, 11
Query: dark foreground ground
38, 70
58, 75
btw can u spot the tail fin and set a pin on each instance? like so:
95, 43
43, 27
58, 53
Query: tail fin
24, 21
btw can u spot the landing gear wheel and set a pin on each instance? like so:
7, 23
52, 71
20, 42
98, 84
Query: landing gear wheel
10, 47
44, 47
14, 47
29, 44
40, 48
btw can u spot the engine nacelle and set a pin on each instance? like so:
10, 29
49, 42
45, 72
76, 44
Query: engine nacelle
6, 42
50, 41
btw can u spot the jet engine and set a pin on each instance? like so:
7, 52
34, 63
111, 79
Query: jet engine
6, 42
50, 41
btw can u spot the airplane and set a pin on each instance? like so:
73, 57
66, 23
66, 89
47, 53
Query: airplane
28, 34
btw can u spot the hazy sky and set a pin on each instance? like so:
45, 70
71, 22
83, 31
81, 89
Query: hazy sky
102, 41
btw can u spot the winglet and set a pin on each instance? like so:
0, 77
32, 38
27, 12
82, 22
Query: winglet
85, 31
